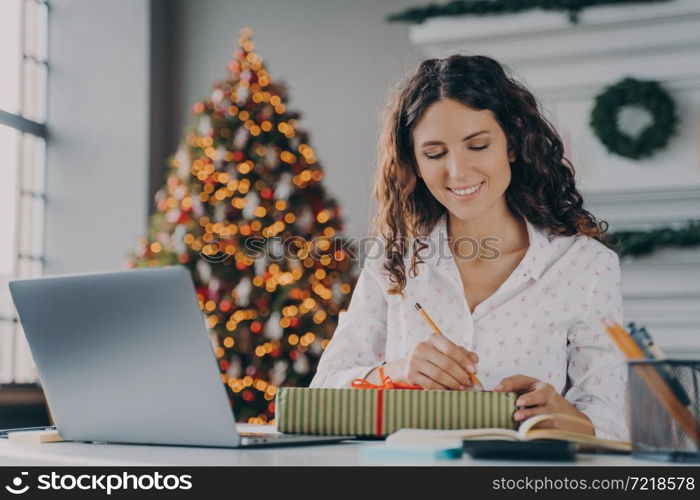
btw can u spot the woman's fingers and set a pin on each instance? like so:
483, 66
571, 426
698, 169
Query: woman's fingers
438, 370
438, 359
440, 376
535, 396
474, 356
540, 395
455, 369
427, 382
516, 383
463, 357
526, 413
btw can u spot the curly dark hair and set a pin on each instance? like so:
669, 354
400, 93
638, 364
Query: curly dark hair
542, 187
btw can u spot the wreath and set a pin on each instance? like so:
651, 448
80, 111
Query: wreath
638, 243
494, 7
630, 92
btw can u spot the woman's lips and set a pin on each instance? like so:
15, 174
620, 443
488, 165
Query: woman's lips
469, 195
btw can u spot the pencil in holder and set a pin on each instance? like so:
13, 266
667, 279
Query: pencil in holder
664, 409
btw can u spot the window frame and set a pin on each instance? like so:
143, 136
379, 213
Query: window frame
21, 368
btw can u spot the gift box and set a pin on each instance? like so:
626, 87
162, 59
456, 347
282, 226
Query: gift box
379, 412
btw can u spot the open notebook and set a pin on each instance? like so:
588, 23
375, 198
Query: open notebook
524, 433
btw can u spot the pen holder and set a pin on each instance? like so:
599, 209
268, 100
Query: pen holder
664, 409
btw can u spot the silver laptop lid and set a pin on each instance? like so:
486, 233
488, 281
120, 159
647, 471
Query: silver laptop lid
125, 357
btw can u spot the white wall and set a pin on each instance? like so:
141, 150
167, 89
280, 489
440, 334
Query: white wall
338, 57
98, 125
567, 66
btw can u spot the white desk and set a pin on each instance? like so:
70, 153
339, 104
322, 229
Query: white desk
345, 453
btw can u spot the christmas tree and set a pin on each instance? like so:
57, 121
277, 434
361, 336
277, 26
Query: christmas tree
244, 209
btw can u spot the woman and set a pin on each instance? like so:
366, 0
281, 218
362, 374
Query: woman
481, 223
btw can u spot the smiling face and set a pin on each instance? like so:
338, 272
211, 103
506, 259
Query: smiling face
463, 158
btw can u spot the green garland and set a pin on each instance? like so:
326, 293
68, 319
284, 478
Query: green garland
646, 94
637, 243
417, 15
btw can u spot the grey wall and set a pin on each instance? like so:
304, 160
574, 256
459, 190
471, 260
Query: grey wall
338, 57
123, 76
97, 157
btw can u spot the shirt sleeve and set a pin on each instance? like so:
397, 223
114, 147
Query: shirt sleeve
359, 341
597, 370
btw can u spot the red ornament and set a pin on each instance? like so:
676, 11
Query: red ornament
294, 322
255, 327
238, 156
293, 355
316, 202
266, 193
247, 396
223, 364
225, 305
271, 407
276, 353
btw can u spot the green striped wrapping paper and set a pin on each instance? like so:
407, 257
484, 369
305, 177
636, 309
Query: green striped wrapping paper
367, 412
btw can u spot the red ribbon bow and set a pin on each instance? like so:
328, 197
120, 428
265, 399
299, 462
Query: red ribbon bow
387, 383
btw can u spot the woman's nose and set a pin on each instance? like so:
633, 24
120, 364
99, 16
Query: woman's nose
457, 165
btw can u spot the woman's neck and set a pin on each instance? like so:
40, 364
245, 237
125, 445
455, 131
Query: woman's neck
499, 222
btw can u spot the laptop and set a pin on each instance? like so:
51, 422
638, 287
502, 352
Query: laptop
126, 357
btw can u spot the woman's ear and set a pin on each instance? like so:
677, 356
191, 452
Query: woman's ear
417, 171
511, 155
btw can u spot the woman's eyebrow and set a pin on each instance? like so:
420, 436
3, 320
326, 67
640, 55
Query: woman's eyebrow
438, 143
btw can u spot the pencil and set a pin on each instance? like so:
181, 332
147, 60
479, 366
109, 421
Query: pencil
656, 385
475, 380
655, 350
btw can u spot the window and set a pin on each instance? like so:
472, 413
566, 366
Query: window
24, 69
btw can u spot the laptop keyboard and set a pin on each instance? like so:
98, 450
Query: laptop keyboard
266, 435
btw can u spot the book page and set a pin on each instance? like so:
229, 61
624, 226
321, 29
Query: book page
527, 432
575, 437
527, 424
434, 435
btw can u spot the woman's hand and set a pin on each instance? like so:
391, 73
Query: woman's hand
435, 363
537, 397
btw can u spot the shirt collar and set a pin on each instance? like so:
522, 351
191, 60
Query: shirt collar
532, 265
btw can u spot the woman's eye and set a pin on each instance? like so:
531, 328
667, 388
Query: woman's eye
435, 157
